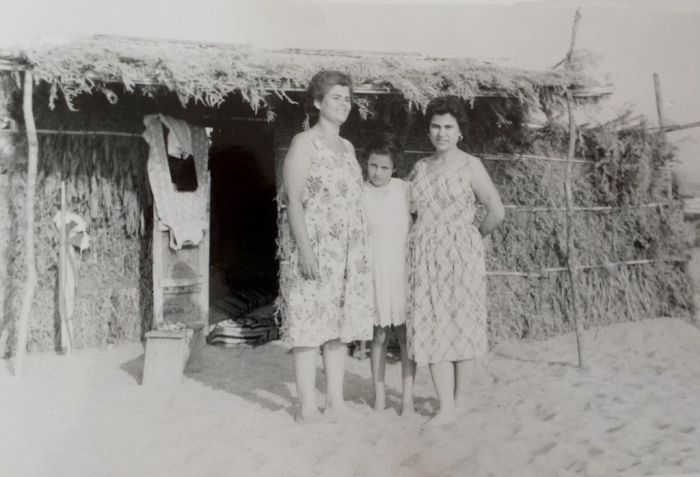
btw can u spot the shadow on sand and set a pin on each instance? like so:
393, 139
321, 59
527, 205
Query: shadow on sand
264, 375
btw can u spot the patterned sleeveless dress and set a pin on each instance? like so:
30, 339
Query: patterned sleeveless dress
339, 304
447, 279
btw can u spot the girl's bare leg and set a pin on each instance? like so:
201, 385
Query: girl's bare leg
443, 374
305, 370
408, 373
334, 363
377, 358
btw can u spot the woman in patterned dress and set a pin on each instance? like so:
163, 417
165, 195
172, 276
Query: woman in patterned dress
447, 282
325, 281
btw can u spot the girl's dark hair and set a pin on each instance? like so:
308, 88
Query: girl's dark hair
448, 105
321, 83
385, 144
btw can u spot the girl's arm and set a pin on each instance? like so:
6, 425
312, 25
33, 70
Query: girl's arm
295, 171
487, 194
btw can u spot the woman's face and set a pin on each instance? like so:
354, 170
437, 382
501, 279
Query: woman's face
379, 169
444, 132
336, 104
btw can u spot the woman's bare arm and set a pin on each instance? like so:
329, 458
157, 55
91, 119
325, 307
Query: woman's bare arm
488, 195
294, 174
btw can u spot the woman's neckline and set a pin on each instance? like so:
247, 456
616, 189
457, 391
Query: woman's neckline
454, 166
343, 147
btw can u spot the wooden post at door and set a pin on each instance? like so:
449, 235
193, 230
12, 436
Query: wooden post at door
166, 286
157, 254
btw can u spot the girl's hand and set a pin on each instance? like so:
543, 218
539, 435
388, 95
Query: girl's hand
308, 266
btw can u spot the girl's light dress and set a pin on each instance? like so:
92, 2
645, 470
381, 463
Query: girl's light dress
388, 222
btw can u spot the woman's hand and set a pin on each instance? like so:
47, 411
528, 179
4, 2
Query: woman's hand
308, 266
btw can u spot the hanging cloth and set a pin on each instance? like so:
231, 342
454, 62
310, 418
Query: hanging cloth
183, 212
76, 238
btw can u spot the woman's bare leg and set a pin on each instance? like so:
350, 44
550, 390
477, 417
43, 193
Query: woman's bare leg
334, 363
305, 370
443, 374
377, 358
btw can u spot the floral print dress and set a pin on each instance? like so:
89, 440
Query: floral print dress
447, 277
339, 304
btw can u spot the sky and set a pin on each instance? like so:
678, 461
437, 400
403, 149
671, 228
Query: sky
631, 39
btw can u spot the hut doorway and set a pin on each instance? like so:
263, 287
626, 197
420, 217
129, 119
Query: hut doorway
243, 215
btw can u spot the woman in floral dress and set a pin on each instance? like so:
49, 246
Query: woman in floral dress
446, 322
325, 282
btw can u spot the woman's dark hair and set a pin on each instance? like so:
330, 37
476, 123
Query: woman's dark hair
385, 144
448, 105
321, 83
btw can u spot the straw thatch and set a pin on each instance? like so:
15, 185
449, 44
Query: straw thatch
208, 73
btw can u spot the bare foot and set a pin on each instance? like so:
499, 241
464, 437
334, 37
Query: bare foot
307, 416
339, 412
442, 419
407, 408
379, 400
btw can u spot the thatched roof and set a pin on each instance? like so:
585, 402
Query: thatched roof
208, 73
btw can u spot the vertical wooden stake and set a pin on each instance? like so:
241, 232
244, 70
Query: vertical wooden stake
29, 257
571, 261
662, 129
157, 252
659, 103
204, 257
62, 308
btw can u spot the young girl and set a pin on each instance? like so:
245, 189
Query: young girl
385, 200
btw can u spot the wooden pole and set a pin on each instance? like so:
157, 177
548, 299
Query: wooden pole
659, 103
662, 129
29, 257
66, 342
571, 260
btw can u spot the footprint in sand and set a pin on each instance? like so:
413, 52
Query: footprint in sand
595, 451
544, 449
616, 428
662, 425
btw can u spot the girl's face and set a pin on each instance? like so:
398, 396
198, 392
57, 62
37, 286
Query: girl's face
444, 132
336, 104
379, 169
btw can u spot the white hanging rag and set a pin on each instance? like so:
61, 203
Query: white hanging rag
183, 212
179, 139
76, 238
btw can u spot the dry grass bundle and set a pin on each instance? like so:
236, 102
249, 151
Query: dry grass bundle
106, 186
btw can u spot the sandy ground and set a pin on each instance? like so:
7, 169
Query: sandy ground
634, 411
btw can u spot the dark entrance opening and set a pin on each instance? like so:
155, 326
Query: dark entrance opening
243, 211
